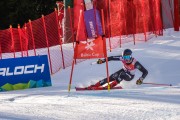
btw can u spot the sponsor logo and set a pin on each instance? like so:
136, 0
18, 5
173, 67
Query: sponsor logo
90, 54
20, 70
92, 28
90, 46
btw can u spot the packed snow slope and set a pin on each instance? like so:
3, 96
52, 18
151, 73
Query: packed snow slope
160, 56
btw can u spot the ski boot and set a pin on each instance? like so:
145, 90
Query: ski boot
114, 83
93, 87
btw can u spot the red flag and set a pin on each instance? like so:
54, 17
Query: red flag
79, 25
95, 48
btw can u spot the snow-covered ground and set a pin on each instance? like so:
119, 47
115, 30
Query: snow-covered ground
160, 56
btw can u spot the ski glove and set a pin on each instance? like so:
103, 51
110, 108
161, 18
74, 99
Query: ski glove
139, 81
100, 61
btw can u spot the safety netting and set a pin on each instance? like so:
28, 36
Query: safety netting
124, 21
124, 17
130, 20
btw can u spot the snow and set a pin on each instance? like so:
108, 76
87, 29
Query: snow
161, 57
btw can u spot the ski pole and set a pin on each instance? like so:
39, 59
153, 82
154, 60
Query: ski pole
157, 84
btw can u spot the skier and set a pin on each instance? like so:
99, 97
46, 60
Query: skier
127, 73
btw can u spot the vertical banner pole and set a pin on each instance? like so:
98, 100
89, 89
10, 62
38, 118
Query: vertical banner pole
32, 35
47, 42
60, 39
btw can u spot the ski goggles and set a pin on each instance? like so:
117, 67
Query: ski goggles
127, 57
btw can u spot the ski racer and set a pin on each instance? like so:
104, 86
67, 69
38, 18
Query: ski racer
127, 73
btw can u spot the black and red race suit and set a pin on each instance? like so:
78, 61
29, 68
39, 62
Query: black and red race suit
127, 73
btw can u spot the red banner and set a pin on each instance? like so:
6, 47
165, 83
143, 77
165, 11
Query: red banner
79, 25
95, 48
60, 7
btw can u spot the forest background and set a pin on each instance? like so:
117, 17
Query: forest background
14, 12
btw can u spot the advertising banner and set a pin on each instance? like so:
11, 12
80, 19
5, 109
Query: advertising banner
91, 49
93, 23
23, 73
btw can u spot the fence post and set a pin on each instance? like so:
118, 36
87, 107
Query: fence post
32, 35
20, 40
12, 39
47, 42
25, 29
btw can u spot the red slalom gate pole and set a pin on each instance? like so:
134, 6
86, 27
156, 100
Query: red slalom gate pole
157, 84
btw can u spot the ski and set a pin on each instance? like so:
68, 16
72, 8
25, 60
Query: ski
95, 88
93, 63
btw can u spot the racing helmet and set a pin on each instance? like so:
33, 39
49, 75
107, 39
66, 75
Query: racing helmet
127, 55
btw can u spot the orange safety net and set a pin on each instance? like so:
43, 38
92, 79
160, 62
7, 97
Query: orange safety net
123, 17
34, 38
31, 36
